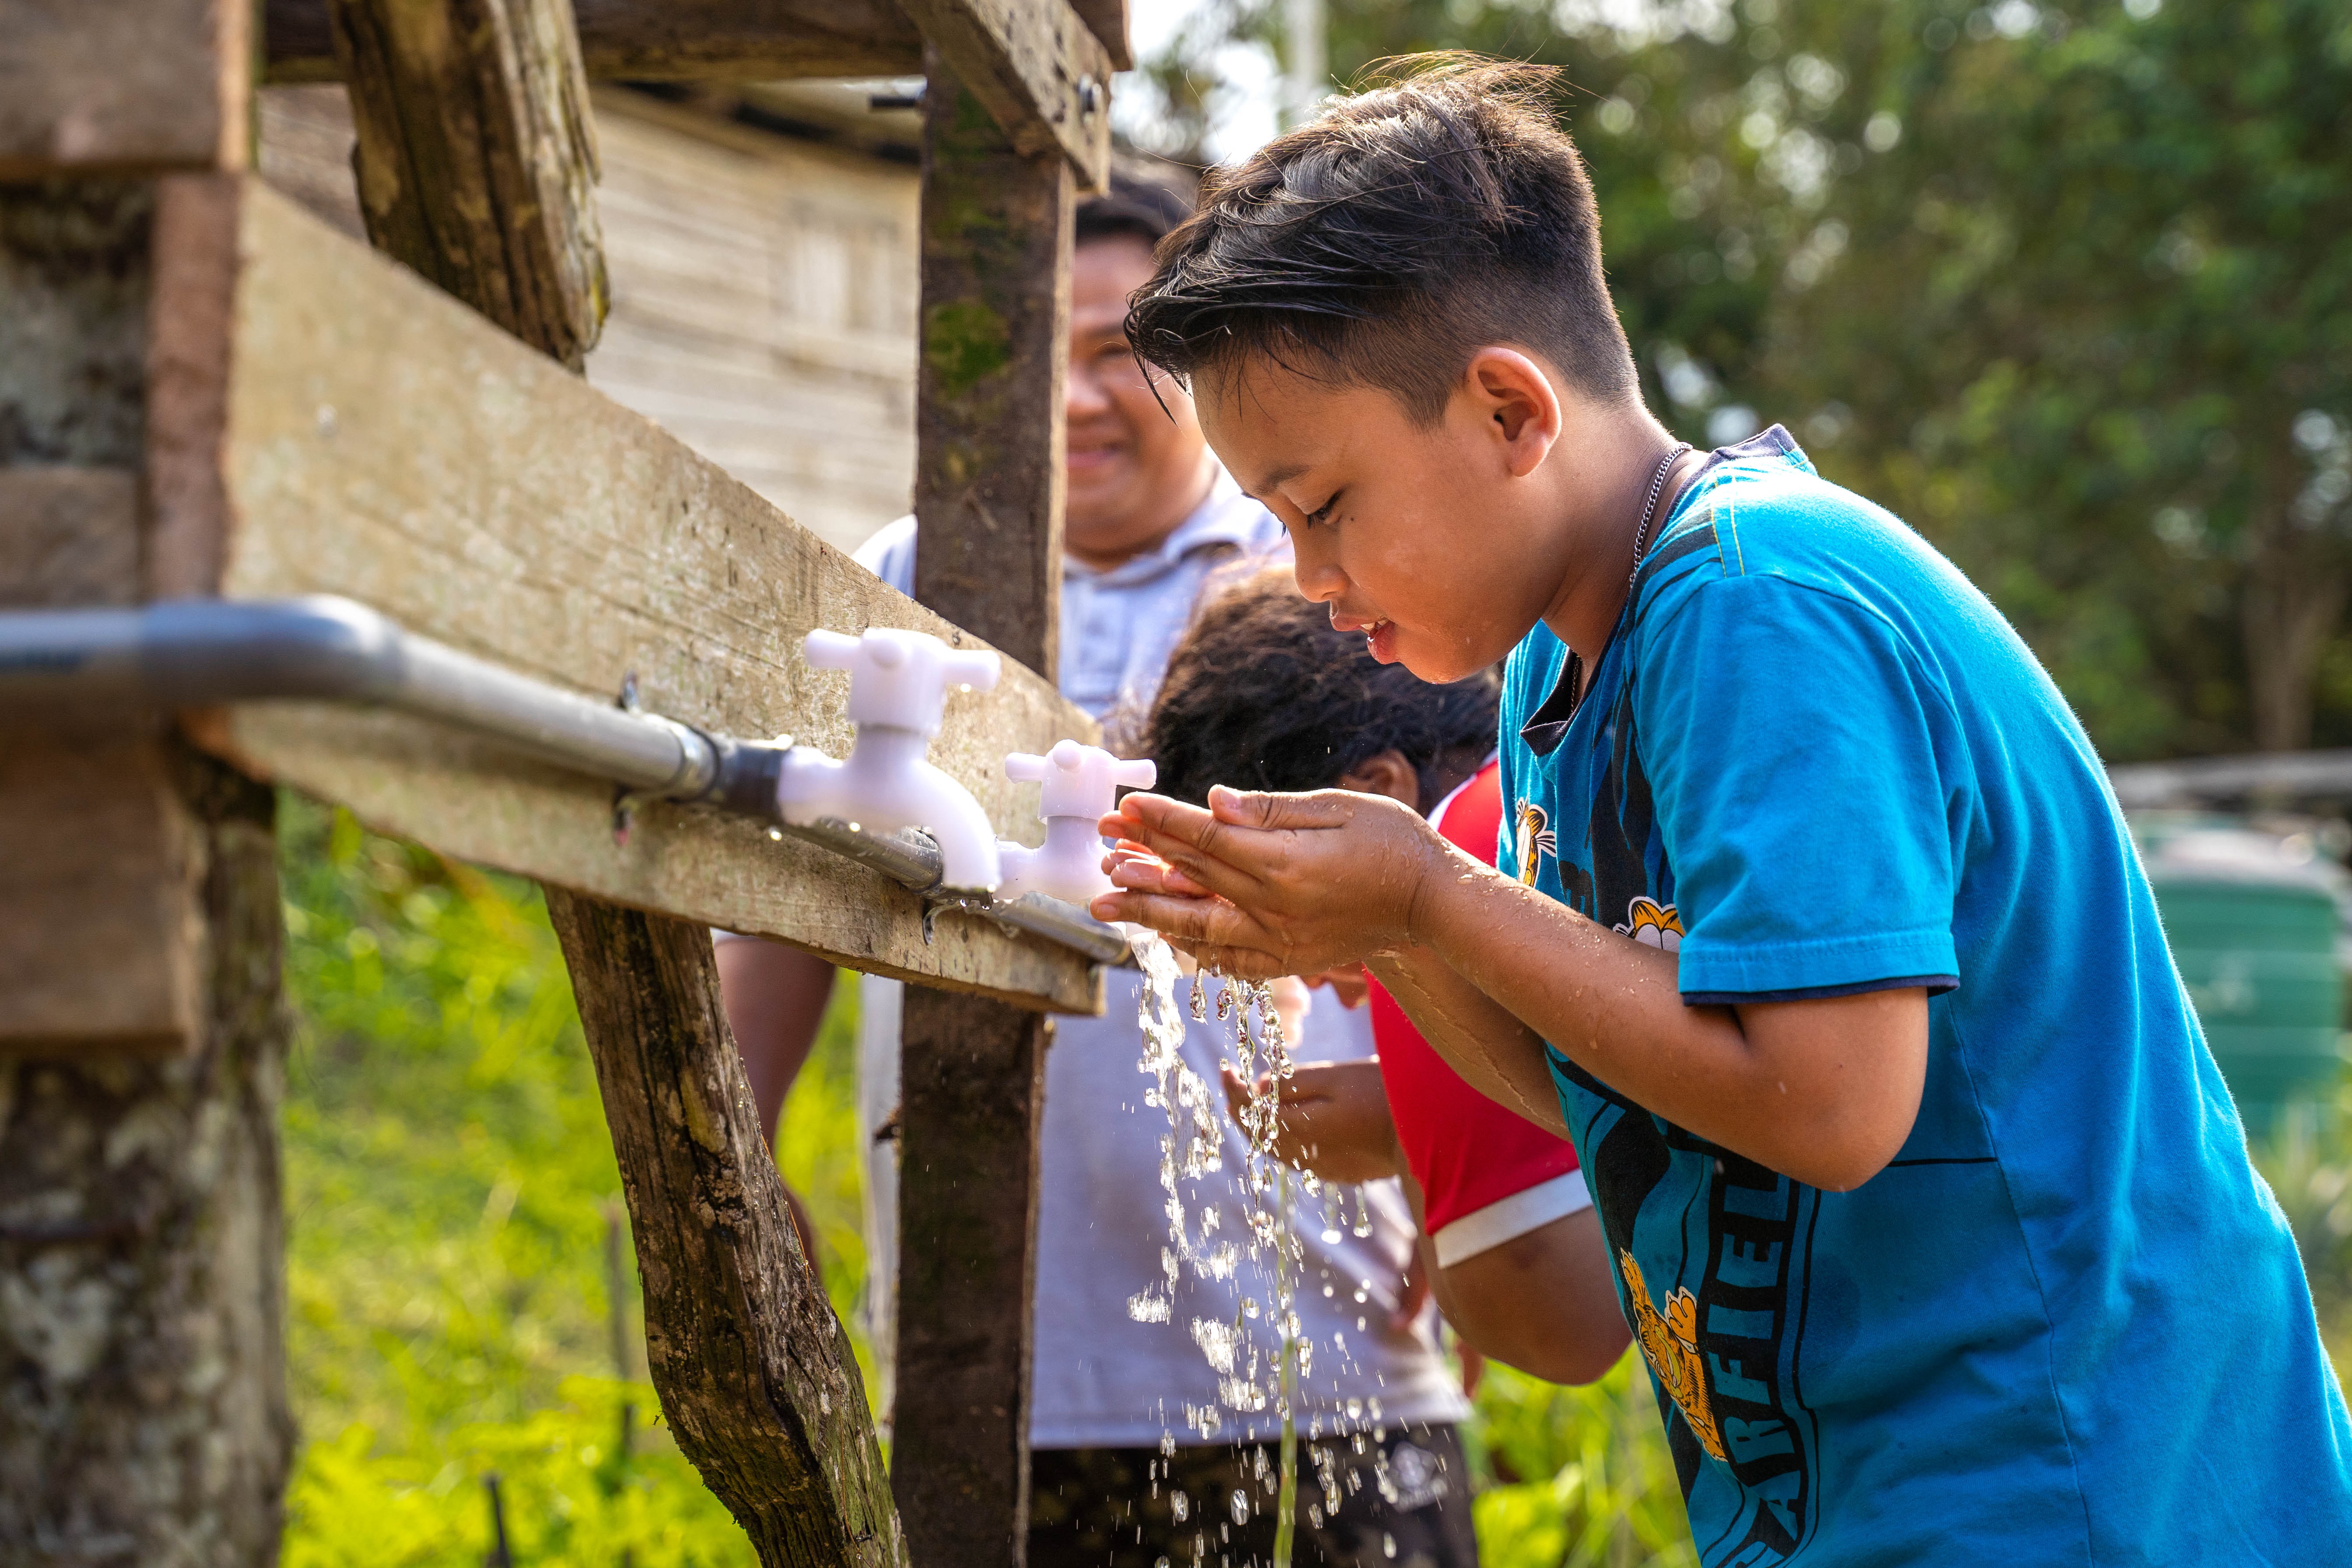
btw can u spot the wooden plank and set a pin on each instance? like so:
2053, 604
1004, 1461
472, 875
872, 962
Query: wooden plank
995, 350
477, 158
97, 852
756, 1377
1106, 20
71, 537
651, 40
97, 857
973, 1089
988, 502
1041, 71
380, 441
119, 86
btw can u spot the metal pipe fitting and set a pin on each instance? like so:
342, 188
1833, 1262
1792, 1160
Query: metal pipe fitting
197, 652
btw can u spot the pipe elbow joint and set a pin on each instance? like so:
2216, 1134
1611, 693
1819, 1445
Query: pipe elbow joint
969, 858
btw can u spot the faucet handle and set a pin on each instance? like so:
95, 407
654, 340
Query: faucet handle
1141, 774
974, 667
1023, 768
831, 650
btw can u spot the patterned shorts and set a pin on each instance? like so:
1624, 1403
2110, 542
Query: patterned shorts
1402, 1502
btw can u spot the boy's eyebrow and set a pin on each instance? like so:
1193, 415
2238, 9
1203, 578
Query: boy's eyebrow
1274, 480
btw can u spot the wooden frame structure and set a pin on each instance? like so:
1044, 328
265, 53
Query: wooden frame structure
204, 392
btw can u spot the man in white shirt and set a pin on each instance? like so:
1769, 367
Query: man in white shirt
1150, 518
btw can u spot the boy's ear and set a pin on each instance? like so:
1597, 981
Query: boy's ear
1513, 395
1388, 772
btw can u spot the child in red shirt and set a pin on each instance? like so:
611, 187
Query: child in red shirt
1263, 693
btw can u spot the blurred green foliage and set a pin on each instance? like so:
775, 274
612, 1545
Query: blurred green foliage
1577, 1478
2067, 284
2308, 1163
451, 1185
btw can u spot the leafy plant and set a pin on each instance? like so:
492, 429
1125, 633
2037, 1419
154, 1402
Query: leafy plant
451, 1194
1580, 1476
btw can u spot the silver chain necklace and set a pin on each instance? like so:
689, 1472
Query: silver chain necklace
1657, 486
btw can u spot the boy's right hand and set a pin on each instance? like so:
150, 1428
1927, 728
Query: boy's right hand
1331, 1118
1264, 885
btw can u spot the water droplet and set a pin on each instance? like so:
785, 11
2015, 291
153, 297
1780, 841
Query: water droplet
776, 834
1180, 1505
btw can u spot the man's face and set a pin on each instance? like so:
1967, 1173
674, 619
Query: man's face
1415, 535
1134, 472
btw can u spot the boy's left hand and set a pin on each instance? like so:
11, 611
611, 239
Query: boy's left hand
1331, 1119
1266, 885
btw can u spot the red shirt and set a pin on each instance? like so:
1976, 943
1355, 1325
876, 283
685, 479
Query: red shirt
1486, 1173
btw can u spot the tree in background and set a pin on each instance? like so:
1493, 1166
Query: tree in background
2069, 286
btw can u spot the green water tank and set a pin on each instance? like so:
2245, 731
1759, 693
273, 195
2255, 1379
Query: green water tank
2254, 922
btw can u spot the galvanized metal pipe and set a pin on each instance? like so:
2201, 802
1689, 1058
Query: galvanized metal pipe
196, 652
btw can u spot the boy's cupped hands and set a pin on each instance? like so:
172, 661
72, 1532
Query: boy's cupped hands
1261, 885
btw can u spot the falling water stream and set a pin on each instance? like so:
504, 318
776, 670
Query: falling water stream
1190, 1150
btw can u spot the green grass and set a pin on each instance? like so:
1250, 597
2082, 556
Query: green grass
451, 1185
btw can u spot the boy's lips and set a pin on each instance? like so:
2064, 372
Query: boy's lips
1379, 634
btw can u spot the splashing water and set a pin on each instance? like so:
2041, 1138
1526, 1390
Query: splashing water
1190, 1149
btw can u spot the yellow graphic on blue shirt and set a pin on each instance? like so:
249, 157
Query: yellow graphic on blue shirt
1669, 1343
1653, 924
1534, 839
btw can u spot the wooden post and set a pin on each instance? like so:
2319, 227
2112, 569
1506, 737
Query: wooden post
142, 1404
988, 504
754, 1372
476, 157
474, 153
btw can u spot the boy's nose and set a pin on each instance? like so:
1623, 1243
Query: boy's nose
1318, 579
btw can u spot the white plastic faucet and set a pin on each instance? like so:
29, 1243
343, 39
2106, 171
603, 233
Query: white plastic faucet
898, 688
1081, 785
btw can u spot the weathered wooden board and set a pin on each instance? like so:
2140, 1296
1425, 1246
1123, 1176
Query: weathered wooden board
382, 441
1037, 66
117, 86
99, 876
743, 40
477, 158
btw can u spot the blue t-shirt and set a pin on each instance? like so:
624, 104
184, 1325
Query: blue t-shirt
2067, 1323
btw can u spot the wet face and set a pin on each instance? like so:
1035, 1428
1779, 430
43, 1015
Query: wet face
1430, 538
1134, 472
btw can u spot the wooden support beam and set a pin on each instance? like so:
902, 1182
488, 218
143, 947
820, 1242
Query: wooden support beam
1037, 66
123, 86
377, 439
989, 486
1106, 20
973, 1093
142, 1400
477, 158
756, 1377
653, 40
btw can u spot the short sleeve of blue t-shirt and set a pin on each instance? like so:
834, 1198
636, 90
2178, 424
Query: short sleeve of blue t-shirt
1795, 750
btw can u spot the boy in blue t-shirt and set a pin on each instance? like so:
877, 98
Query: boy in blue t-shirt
1817, 927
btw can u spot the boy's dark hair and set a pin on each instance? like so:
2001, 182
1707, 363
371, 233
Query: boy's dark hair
1263, 693
1384, 242
1147, 207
